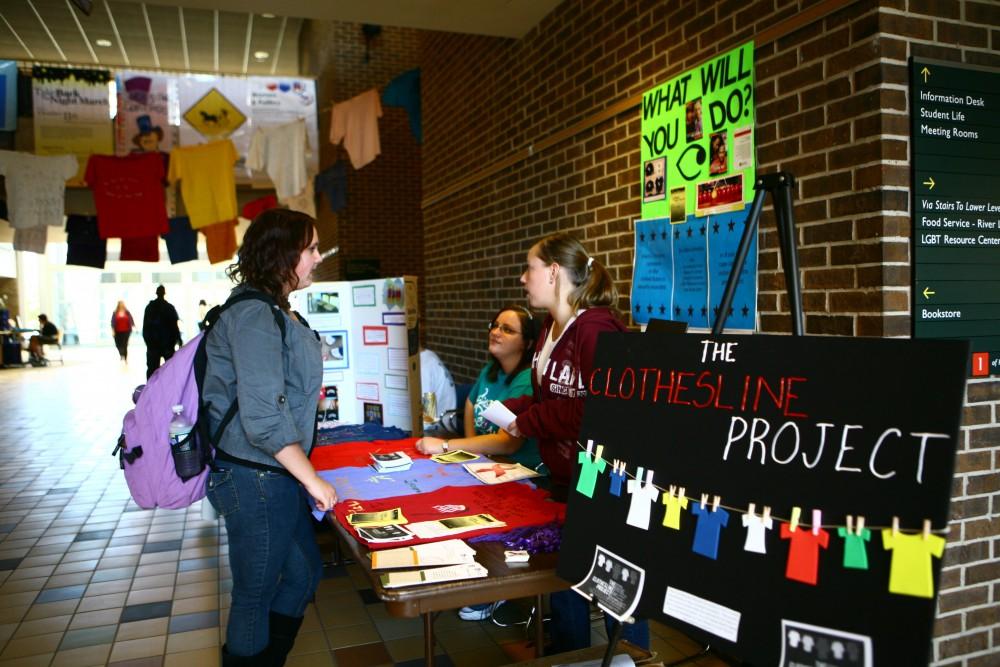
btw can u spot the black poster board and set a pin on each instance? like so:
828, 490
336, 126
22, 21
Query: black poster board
955, 117
890, 411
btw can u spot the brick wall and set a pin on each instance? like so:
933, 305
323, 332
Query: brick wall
383, 220
832, 108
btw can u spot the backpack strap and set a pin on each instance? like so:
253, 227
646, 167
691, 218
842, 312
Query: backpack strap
201, 356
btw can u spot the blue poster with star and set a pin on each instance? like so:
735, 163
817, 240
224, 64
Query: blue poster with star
691, 270
653, 269
724, 233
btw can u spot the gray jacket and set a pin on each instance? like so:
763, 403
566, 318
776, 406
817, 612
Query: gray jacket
277, 386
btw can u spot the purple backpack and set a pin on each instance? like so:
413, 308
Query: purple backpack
144, 449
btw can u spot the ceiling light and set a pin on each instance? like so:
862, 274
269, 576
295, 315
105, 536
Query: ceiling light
103, 42
267, 16
261, 55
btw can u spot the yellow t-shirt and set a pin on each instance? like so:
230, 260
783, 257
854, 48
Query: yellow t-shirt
911, 572
208, 182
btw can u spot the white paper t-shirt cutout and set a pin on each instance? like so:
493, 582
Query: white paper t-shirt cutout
643, 496
756, 532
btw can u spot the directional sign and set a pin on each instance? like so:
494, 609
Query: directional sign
955, 118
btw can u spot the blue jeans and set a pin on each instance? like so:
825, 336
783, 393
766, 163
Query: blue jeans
273, 553
571, 624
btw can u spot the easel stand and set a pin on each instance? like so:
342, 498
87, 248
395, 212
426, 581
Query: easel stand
780, 186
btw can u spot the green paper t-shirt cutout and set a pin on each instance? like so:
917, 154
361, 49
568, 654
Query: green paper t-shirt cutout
589, 469
855, 553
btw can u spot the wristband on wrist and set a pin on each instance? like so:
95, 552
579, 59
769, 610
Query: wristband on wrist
444, 446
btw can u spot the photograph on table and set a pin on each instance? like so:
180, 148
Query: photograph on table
333, 349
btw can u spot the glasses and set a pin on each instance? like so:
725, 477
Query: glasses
503, 328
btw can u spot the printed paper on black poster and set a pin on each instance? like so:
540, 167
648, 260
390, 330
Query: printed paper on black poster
806, 645
614, 583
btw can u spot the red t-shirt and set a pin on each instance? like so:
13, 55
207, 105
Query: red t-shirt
803, 554
122, 322
128, 192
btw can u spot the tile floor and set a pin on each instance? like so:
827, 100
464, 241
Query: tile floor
89, 578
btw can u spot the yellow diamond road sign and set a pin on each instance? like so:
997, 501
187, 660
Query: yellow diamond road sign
214, 116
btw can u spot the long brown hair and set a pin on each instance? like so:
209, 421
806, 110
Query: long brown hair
270, 252
592, 284
529, 334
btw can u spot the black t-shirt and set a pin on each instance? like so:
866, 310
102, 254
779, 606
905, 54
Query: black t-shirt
49, 330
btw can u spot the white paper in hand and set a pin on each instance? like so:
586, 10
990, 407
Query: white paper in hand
497, 413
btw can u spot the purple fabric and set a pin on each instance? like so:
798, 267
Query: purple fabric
365, 483
533, 539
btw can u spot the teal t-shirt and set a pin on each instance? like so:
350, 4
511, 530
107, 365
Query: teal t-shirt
484, 391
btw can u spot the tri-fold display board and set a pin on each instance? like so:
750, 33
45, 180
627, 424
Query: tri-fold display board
369, 342
704, 453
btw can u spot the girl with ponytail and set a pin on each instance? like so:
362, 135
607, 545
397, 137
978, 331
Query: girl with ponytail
580, 296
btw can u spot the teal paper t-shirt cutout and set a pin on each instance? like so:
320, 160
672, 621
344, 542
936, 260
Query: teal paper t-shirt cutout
855, 553
589, 469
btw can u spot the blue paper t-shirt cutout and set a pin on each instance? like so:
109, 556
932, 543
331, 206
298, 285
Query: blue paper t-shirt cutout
617, 477
706, 532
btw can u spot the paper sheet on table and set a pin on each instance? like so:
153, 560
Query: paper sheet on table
433, 575
497, 413
448, 552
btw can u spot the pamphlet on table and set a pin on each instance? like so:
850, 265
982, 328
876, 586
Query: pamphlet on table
433, 575
448, 552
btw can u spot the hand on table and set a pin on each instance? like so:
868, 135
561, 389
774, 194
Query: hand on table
322, 492
430, 446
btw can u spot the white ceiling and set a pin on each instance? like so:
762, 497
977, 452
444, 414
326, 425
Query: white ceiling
223, 35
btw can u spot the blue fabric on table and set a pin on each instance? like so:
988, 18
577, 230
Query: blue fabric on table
359, 433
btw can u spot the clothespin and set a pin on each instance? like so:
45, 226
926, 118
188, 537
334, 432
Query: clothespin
616, 466
715, 503
861, 524
638, 473
590, 446
751, 509
681, 492
817, 521
649, 478
599, 452
704, 499
927, 528
850, 524
794, 523
672, 491
766, 514
895, 526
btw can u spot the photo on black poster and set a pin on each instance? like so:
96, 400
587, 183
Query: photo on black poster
805, 645
373, 413
614, 583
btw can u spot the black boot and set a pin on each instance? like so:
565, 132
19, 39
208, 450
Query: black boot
284, 629
259, 660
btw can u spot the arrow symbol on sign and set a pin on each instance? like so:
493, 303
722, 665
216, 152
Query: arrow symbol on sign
926, 72
928, 292
929, 183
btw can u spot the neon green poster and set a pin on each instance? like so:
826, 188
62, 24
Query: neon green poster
698, 154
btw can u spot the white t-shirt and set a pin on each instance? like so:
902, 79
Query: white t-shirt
549, 345
643, 496
36, 187
756, 527
435, 377
281, 151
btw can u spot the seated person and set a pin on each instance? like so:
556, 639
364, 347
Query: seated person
435, 378
48, 334
507, 375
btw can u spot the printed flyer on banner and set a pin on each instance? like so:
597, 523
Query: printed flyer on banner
72, 113
143, 123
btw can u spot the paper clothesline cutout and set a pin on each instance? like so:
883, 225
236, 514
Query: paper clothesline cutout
619, 468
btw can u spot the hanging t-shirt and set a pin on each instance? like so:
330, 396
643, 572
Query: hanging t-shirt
304, 202
220, 241
32, 239
803, 554
36, 187
643, 496
617, 477
182, 241
332, 182
128, 193
707, 530
142, 249
483, 391
254, 208
356, 123
281, 151
855, 553
208, 183
911, 572
590, 468
672, 517
404, 91
757, 527
84, 245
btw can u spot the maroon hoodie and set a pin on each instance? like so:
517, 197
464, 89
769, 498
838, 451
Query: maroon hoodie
552, 413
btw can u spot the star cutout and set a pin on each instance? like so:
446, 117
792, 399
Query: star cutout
690, 232
677, 311
663, 309
649, 309
704, 311
732, 225
642, 237
715, 227
638, 308
745, 310
691, 311
701, 230
652, 236
677, 233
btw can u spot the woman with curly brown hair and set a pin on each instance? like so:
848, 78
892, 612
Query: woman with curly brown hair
262, 465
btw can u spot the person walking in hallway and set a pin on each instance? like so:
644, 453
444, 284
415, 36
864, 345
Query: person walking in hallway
160, 331
121, 328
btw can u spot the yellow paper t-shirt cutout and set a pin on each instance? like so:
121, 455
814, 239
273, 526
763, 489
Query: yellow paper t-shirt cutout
672, 518
911, 572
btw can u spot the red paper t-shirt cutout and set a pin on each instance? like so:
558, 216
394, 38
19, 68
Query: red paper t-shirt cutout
803, 554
